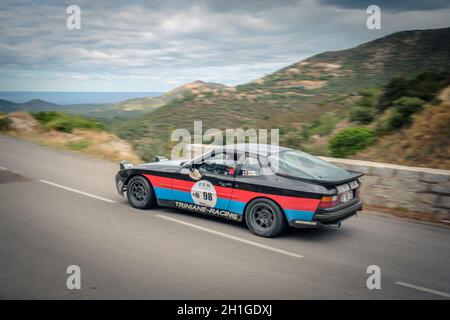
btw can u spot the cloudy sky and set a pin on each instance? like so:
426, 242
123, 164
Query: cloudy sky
157, 45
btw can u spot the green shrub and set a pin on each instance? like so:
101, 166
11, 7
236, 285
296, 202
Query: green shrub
46, 116
427, 84
4, 122
292, 137
402, 111
365, 110
395, 121
395, 89
382, 123
65, 122
409, 105
351, 140
424, 86
362, 115
326, 123
323, 126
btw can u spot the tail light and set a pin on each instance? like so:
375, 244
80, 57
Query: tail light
328, 202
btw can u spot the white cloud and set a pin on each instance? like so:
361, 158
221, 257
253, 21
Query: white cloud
156, 45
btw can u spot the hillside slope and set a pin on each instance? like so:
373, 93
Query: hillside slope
425, 144
296, 95
137, 106
67, 132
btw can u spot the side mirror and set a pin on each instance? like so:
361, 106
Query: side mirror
194, 173
125, 165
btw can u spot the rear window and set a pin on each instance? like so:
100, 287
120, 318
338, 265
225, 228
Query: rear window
302, 165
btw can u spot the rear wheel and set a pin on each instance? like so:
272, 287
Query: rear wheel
140, 193
264, 218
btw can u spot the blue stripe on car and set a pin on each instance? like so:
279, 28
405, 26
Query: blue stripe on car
222, 204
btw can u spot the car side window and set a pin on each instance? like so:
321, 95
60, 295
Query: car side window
222, 164
250, 167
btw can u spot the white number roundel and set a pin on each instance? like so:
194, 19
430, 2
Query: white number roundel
204, 194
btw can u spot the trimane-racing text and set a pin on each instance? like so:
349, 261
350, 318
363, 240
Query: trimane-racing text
208, 210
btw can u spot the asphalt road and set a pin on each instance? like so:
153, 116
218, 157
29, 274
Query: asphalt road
60, 208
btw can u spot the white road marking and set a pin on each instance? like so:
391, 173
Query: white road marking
252, 243
6, 169
412, 286
76, 191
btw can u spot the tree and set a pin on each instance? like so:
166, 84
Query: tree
424, 86
427, 84
395, 89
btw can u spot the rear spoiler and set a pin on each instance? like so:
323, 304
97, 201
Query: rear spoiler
355, 175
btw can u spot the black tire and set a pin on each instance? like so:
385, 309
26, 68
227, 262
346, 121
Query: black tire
140, 193
265, 218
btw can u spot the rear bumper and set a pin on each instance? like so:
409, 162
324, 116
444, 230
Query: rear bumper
329, 218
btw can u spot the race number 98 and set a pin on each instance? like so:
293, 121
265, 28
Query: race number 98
204, 194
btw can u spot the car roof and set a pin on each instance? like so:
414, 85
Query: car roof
259, 149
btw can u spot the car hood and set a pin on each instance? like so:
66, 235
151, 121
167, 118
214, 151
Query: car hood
158, 163
170, 165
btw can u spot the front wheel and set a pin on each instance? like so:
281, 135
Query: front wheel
140, 193
265, 218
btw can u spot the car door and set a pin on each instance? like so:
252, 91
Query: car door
247, 181
215, 187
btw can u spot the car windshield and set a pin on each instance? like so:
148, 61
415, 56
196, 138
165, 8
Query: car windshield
302, 165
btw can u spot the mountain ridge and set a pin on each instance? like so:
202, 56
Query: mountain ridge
125, 108
298, 94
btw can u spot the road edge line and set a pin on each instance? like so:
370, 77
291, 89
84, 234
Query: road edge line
76, 191
262, 246
419, 288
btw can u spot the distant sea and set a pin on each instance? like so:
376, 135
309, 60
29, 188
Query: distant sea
59, 97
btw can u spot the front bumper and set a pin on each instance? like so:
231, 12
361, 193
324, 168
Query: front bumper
120, 184
330, 217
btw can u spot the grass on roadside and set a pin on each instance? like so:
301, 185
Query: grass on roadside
80, 145
65, 122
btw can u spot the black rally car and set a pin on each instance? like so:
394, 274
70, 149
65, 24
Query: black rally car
270, 187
